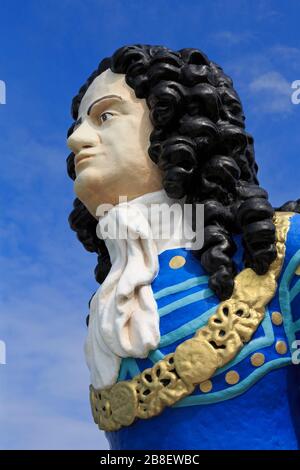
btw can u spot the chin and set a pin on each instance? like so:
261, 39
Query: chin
87, 185
93, 188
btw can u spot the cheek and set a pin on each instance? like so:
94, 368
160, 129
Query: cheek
129, 134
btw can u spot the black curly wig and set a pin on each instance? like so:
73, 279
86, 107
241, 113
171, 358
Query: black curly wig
200, 144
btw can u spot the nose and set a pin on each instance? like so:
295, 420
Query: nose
84, 136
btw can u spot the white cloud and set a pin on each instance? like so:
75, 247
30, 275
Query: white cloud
46, 282
28, 425
265, 11
44, 384
228, 38
286, 52
263, 88
274, 93
271, 81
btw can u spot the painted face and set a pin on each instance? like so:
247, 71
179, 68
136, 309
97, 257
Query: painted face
110, 143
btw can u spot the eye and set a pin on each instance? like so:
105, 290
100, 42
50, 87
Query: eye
105, 117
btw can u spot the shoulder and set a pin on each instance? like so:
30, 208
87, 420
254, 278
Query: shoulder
294, 219
289, 281
288, 228
293, 235
288, 231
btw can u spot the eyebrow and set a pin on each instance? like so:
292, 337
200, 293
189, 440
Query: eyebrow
102, 99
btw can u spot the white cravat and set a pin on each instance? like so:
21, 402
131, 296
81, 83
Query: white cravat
124, 321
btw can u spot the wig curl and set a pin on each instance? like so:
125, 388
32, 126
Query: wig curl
200, 143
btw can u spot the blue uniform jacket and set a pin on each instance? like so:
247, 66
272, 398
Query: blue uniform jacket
261, 409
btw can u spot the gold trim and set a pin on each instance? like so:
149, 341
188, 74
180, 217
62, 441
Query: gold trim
196, 360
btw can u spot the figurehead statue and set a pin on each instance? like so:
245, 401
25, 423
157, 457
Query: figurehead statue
187, 348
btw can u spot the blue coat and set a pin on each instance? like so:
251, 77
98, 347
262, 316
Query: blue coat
261, 410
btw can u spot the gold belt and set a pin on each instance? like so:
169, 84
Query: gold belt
197, 359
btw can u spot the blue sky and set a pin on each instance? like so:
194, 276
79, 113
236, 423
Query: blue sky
47, 50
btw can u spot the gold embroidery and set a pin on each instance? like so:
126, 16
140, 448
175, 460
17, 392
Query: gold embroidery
195, 360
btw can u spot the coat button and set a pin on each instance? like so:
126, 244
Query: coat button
177, 262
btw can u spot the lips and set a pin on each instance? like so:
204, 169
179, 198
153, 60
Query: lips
83, 155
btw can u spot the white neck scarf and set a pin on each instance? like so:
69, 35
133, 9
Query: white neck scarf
124, 321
